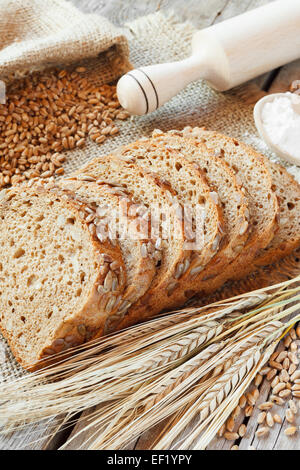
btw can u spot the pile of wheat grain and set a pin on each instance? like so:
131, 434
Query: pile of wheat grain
284, 376
50, 112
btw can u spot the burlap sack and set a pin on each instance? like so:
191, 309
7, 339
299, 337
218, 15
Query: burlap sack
152, 39
38, 33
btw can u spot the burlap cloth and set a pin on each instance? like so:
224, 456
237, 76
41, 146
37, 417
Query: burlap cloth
33, 35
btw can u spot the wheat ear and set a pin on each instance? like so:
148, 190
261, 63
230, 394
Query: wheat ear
131, 417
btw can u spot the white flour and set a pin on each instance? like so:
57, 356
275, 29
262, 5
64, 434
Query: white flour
261, 147
282, 124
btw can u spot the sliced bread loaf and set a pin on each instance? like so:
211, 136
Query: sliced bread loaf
57, 278
288, 236
203, 216
117, 220
222, 180
254, 176
167, 231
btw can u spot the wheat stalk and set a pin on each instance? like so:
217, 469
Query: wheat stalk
210, 426
130, 418
211, 400
97, 378
147, 372
178, 375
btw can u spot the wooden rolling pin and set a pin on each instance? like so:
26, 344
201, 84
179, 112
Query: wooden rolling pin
226, 55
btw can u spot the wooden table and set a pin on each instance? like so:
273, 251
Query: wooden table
201, 13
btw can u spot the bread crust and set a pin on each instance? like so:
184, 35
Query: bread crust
153, 289
261, 235
287, 238
168, 157
81, 325
144, 268
130, 176
236, 227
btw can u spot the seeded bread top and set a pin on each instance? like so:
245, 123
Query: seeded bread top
148, 190
192, 192
222, 180
57, 278
254, 176
118, 220
251, 173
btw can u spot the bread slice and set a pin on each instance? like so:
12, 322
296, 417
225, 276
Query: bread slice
57, 279
254, 176
157, 198
118, 221
192, 191
222, 181
287, 238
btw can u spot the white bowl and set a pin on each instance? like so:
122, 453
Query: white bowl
261, 129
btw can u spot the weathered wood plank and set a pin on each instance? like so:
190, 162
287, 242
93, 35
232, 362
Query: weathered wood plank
35, 437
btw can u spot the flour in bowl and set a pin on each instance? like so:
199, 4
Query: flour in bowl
282, 124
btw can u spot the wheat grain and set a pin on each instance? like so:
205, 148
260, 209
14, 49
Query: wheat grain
262, 431
236, 412
231, 436
276, 365
284, 376
286, 363
277, 400
130, 366
261, 417
293, 334
285, 393
290, 417
258, 380
281, 356
222, 430
277, 419
230, 424
295, 375
267, 405
46, 114
249, 411
271, 374
243, 401
269, 420
265, 371
275, 381
227, 382
242, 430
293, 407
178, 376
291, 431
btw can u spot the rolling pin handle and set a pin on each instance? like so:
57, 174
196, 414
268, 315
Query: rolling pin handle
137, 92
143, 90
